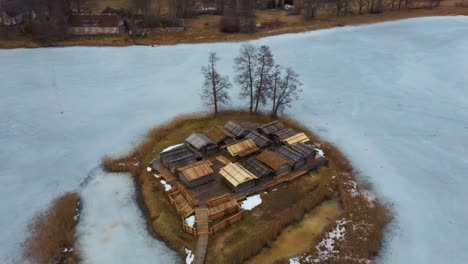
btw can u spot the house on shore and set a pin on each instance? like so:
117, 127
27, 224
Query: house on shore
241, 149
237, 177
178, 157
95, 24
297, 138
259, 139
220, 136
235, 128
297, 160
196, 174
306, 150
271, 128
260, 170
275, 162
282, 134
12, 12
202, 143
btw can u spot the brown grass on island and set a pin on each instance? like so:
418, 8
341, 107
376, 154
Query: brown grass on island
279, 209
52, 233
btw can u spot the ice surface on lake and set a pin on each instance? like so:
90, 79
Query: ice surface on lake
392, 96
112, 226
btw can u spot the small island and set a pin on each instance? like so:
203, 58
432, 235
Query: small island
222, 188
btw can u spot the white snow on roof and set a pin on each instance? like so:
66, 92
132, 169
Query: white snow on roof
171, 147
251, 202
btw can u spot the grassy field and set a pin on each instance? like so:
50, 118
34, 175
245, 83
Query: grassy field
280, 209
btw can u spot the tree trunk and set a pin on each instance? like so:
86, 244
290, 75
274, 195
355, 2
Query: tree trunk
260, 85
213, 84
251, 88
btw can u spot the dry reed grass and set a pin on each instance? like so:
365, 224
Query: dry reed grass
54, 230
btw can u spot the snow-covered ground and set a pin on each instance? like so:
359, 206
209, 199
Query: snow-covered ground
393, 96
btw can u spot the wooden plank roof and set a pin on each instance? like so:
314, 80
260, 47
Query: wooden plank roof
199, 140
197, 170
289, 154
256, 167
271, 127
285, 133
272, 159
304, 149
298, 138
259, 139
242, 148
236, 174
178, 153
223, 159
235, 128
218, 133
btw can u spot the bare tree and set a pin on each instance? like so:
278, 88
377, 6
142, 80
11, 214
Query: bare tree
264, 65
245, 65
286, 92
361, 4
275, 79
215, 86
310, 8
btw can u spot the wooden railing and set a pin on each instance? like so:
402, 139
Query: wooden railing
226, 222
189, 229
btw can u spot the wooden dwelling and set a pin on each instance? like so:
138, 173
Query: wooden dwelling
259, 139
260, 170
235, 128
196, 174
95, 24
297, 138
275, 162
220, 135
237, 177
202, 143
241, 149
271, 128
13, 12
297, 160
178, 157
306, 150
280, 135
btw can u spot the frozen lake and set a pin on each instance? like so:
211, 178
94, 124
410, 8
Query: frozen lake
393, 96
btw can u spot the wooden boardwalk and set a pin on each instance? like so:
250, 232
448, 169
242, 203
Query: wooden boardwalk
201, 215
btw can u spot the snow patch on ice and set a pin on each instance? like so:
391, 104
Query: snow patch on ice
251, 202
190, 257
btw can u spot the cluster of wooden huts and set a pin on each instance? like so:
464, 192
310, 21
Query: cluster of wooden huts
243, 155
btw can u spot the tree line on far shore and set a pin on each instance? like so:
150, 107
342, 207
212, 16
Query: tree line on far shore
260, 81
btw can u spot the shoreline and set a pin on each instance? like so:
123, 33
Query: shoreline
189, 37
171, 235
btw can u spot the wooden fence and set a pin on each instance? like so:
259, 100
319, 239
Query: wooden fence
226, 222
189, 229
